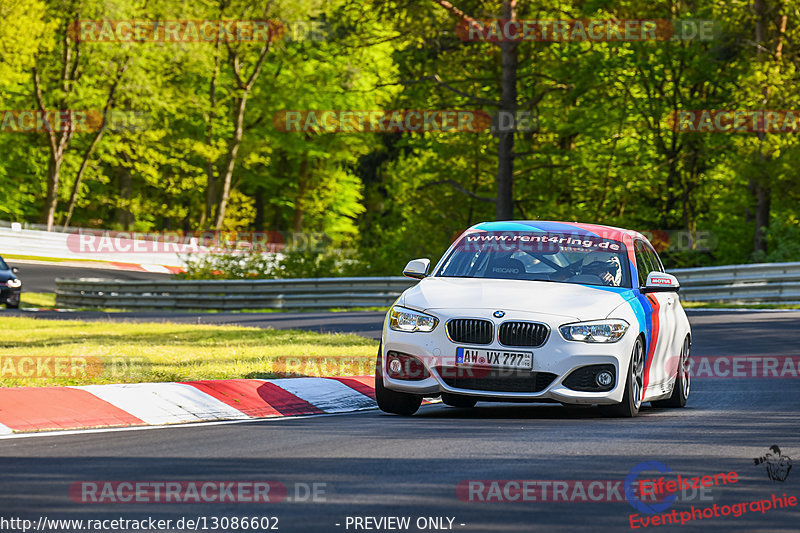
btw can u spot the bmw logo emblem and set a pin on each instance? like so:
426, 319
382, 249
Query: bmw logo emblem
499, 314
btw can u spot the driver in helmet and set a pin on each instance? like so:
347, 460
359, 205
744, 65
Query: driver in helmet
610, 271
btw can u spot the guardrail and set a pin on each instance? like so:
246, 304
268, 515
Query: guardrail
734, 284
769, 283
232, 294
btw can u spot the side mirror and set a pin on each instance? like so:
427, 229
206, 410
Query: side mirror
14, 270
417, 268
661, 282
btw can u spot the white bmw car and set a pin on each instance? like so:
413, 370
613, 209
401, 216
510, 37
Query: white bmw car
534, 311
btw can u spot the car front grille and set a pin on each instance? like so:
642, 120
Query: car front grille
523, 334
470, 331
495, 380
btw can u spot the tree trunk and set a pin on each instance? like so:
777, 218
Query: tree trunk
211, 172
258, 196
233, 150
53, 178
238, 132
58, 142
125, 185
508, 105
763, 204
302, 185
76, 185
673, 176
758, 186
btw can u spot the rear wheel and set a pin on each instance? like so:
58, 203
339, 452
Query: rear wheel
456, 400
683, 381
389, 401
632, 399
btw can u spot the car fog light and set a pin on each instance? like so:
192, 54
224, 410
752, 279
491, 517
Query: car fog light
604, 378
404, 366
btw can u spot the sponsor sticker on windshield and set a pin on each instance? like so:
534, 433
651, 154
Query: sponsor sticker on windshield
535, 242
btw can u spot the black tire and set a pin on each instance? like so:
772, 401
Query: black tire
457, 400
14, 305
389, 401
683, 381
632, 399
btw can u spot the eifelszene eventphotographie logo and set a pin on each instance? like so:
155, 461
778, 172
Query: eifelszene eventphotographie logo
777, 464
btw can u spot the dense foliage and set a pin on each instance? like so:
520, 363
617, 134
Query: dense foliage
198, 149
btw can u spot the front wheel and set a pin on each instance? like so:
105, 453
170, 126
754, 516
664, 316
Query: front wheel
634, 384
389, 401
683, 381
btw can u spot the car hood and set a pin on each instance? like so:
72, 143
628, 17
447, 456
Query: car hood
571, 300
6, 275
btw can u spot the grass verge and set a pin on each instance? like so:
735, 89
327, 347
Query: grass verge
12, 257
39, 353
38, 299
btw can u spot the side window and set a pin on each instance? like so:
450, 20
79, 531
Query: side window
643, 266
654, 259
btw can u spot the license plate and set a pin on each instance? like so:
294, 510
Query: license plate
494, 358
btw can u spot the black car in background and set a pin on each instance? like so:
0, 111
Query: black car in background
10, 285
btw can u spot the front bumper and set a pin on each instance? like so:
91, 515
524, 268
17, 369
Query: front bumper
553, 362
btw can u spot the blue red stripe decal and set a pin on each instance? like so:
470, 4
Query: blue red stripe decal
651, 346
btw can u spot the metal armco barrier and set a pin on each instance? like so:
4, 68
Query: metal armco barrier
232, 294
741, 284
734, 284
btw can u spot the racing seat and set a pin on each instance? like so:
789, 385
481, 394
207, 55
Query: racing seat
506, 267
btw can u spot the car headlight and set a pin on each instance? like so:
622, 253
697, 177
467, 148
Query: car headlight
14, 283
402, 319
595, 331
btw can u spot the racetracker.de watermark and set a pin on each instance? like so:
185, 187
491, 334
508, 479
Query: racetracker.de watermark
192, 31
194, 242
734, 121
582, 30
203, 491
323, 366
739, 367
681, 241
70, 367
78, 121
572, 490
403, 120
380, 121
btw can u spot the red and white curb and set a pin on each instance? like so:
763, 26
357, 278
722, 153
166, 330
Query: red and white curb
27, 409
160, 269
104, 265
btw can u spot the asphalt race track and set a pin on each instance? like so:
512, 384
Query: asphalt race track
373, 465
41, 276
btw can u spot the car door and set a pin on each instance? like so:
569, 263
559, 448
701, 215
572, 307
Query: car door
661, 323
670, 334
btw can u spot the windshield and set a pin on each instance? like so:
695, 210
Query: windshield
3, 265
557, 257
